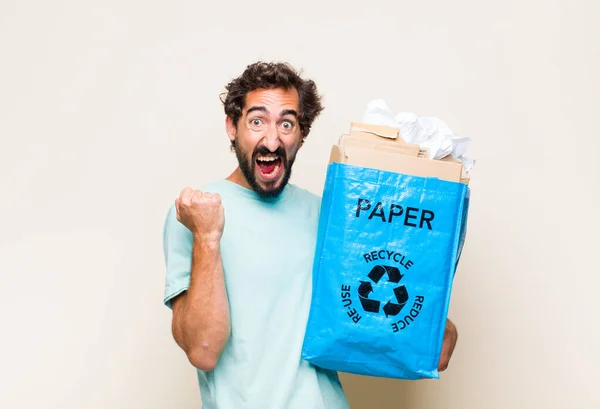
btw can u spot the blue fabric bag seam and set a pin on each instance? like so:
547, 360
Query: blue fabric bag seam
450, 282
326, 202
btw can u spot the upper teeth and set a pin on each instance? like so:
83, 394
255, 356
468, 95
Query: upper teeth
267, 158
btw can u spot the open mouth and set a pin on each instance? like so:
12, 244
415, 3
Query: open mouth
269, 167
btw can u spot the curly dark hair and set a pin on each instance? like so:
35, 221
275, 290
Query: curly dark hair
263, 75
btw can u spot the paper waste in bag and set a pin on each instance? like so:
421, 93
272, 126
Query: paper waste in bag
428, 132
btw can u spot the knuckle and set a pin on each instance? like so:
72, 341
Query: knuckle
196, 196
185, 191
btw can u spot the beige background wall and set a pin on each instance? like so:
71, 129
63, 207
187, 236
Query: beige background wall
107, 109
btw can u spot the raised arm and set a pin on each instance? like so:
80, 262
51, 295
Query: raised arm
201, 324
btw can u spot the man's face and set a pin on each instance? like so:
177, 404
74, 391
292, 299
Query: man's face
267, 139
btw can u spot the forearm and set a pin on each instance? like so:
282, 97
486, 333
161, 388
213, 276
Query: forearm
201, 325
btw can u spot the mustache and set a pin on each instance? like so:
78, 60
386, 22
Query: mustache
262, 150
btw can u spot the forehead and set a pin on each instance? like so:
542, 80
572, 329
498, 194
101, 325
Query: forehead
275, 100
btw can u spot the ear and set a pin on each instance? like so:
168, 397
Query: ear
303, 138
231, 129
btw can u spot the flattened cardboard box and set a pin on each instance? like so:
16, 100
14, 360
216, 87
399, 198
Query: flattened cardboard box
381, 147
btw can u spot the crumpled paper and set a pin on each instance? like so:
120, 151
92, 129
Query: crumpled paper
427, 132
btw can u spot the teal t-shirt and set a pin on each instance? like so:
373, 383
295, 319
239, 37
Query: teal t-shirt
267, 250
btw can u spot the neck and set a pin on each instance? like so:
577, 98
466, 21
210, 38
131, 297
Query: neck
238, 177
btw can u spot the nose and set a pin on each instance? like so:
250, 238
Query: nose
272, 141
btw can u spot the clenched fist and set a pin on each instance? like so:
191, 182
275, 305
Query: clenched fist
202, 213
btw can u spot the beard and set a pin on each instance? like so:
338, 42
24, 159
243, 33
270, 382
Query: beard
248, 165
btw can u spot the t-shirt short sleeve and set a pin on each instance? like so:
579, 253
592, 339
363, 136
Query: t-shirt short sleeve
177, 247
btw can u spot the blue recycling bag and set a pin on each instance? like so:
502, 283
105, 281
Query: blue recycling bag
387, 249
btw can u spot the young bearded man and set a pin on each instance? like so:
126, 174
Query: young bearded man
239, 257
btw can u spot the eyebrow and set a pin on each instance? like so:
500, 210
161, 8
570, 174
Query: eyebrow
256, 108
290, 112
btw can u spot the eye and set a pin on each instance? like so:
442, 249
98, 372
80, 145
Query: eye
256, 122
287, 125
